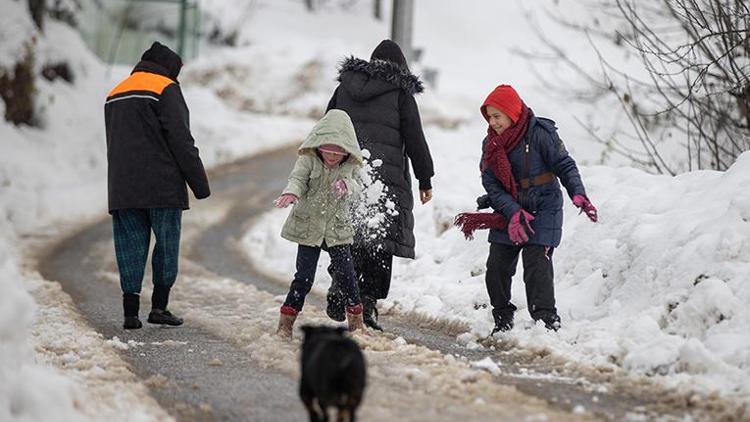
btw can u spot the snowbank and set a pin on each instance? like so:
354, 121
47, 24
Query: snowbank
28, 391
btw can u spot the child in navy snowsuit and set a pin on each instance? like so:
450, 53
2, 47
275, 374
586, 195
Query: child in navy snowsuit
523, 163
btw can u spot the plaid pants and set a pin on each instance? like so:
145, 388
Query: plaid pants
132, 234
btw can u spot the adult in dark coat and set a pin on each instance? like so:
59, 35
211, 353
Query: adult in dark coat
523, 163
151, 156
379, 97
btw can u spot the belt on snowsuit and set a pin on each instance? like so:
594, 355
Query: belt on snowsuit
539, 179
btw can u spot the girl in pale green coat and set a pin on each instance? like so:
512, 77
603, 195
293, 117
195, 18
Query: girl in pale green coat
321, 187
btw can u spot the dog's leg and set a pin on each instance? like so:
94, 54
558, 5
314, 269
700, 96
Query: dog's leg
353, 404
321, 413
343, 415
309, 401
310, 410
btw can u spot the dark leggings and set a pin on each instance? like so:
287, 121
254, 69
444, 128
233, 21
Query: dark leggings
307, 263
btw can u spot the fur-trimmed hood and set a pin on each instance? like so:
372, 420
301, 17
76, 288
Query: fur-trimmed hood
365, 79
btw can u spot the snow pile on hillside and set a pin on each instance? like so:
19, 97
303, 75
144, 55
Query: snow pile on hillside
28, 391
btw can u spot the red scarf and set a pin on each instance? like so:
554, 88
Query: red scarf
495, 157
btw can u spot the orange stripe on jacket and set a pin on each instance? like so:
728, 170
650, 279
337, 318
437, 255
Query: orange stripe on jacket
142, 81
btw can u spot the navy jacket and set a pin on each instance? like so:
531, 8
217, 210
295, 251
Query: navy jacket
547, 153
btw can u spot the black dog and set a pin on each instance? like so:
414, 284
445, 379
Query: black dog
333, 373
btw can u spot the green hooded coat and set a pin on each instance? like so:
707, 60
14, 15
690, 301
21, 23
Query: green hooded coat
318, 215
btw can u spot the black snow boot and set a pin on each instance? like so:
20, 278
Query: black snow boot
503, 323
163, 317
370, 313
503, 318
160, 297
131, 303
335, 304
159, 313
551, 321
132, 323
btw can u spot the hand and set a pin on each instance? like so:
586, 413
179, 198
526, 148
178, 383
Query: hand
516, 230
339, 189
483, 202
285, 200
586, 206
425, 195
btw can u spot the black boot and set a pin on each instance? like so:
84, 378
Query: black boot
551, 321
370, 313
163, 317
160, 297
131, 303
502, 325
159, 313
335, 304
503, 318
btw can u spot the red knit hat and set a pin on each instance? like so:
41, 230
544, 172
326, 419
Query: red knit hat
505, 99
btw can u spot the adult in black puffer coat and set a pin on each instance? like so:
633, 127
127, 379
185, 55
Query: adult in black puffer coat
379, 97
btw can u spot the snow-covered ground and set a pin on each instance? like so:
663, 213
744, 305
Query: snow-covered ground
655, 287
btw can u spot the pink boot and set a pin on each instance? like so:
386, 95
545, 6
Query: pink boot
286, 322
354, 318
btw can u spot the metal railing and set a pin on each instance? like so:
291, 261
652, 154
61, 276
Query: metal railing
120, 30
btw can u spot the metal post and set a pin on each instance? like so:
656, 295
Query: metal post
182, 29
401, 26
196, 27
377, 10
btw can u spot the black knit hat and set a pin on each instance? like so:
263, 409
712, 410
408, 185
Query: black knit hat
160, 54
389, 51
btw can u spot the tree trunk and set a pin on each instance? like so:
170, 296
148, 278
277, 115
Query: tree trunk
17, 91
37, 9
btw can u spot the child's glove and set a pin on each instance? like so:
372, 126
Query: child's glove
483, 202
285, 200
586, 206
339, 188
516, 230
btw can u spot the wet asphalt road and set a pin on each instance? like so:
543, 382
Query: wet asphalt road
186, 383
